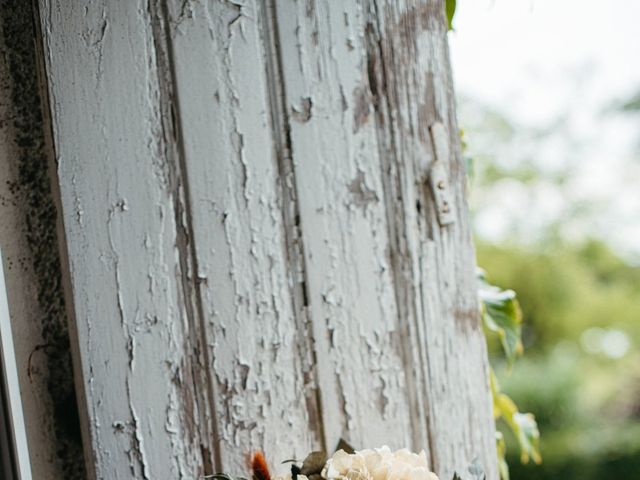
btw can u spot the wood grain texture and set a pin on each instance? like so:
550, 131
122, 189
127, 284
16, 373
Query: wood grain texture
338, 176
255, 253
120, 195
259, 363
412, 85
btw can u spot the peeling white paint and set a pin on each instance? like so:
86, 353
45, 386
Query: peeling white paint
259, 262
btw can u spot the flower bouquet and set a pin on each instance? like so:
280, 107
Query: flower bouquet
347, 464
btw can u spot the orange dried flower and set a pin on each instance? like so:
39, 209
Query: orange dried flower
259, 467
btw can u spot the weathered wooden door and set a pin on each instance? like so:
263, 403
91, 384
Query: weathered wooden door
256, 256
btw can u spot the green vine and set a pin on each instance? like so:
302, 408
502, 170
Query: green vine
502, 317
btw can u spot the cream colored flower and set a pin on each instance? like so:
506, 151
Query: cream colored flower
378, 464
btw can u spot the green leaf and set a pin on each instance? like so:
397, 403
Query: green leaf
344, 445
314, 463
450, 7
528, 437
501, 446
495, 391
501, 314
523, 425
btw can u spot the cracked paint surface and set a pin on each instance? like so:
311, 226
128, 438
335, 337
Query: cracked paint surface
255, 257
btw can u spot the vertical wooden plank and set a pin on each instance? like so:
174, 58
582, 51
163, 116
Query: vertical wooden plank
362, 362
265, 392
411, 84
28, 238
121, 197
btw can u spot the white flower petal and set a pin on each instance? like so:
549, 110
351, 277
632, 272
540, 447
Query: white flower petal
378, 464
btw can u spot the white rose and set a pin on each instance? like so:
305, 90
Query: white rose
378, 464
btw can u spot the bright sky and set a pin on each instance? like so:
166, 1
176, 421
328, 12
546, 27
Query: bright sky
541, 60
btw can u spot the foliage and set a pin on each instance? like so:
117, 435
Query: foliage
605, 453
542, 233
523, 425
502, 316
450, 7
567, 290
548, 385
587, 403
503, 466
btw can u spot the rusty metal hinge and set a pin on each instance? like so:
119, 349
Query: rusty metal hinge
438, 175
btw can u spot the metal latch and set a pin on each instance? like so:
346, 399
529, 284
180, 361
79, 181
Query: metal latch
438, 177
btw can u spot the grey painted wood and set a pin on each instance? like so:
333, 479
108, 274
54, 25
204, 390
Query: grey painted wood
338, 175
255, 253
120, 192
261, 380
434, 265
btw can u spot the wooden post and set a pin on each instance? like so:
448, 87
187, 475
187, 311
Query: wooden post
256, 257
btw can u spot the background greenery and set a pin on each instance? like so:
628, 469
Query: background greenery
580, 374
550, 106
585, 395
